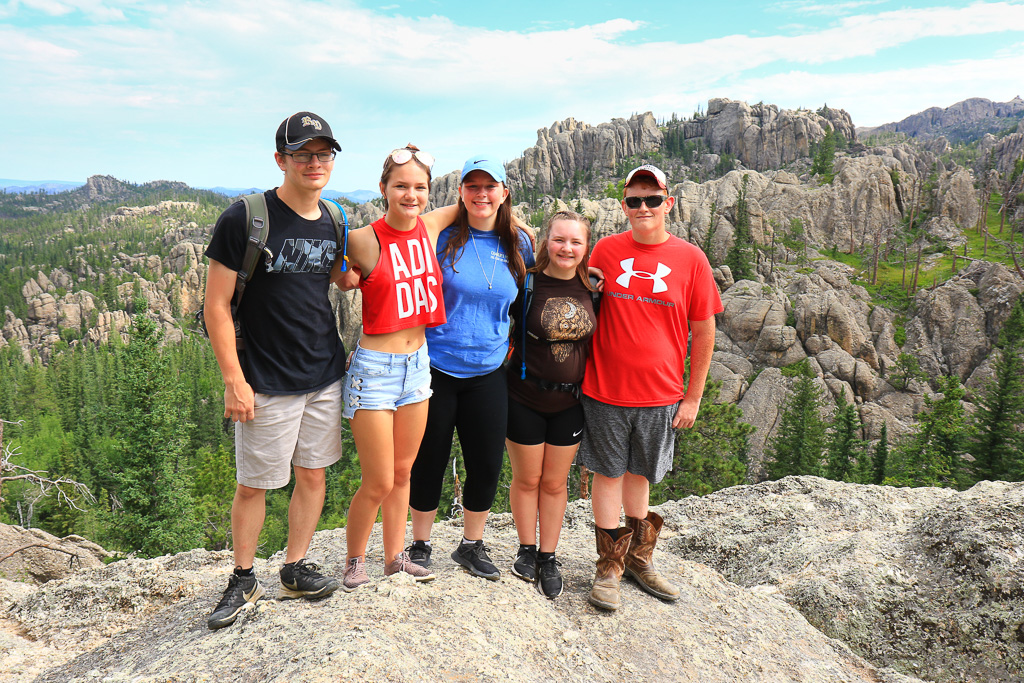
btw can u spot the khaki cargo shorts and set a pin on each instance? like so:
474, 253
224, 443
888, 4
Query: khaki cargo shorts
297, 429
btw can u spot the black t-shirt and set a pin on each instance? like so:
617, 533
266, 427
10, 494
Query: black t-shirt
561, 310
291, 339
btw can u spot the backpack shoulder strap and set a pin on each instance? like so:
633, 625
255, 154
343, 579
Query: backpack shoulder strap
340, 220
259, 227
595, 296
527, 300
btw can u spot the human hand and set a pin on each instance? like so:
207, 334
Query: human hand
239, 402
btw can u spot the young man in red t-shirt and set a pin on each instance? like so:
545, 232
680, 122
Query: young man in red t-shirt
658, 292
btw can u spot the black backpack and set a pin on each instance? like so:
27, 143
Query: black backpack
259, 228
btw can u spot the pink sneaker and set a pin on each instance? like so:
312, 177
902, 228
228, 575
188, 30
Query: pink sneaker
402, 563
355, 574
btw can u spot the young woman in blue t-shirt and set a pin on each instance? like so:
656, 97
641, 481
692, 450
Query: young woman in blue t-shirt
484, 258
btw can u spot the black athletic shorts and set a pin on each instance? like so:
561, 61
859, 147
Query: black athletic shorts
529, 427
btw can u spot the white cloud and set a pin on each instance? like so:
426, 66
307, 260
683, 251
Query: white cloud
454, 89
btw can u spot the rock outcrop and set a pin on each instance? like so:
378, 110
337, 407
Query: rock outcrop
970, 115
145, 619
572, 158
34, 556
820, 581
922, 580
762, 136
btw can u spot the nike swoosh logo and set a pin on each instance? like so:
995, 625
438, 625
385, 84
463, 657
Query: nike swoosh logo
248, 596
479, 160
292, 586
578, 433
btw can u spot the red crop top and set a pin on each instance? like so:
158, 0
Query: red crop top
404, 289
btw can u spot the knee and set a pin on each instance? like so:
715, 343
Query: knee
310, 479
376, 490
553, 486
246, 494
528, 482
401, 478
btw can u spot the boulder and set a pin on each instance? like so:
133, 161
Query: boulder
948, 333
924, 580
831, 314
35, 556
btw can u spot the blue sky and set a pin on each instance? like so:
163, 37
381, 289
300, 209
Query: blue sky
193, 91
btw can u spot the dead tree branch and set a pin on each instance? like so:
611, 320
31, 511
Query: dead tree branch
71, 562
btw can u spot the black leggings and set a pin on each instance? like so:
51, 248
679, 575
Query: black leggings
478, 408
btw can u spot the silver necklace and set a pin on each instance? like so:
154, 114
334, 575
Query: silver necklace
494, 262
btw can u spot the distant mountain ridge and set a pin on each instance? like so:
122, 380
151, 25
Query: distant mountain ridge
13, 186
32, 186
964, 121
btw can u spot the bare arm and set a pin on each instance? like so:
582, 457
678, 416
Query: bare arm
363, 251
702, 347
347, 279
439, 219
239, 399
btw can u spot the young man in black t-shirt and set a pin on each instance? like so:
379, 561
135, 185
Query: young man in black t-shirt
283, 391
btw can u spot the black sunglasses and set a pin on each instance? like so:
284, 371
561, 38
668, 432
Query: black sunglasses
652, 202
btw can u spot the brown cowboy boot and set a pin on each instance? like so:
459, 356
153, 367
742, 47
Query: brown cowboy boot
605, 593
639, 562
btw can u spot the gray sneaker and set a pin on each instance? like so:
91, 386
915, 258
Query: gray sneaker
473, 556
241, 592
355, 574
402, 563
304, 580
525, 566
419, 553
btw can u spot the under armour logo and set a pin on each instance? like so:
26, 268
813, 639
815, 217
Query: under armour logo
308, 121
657, 277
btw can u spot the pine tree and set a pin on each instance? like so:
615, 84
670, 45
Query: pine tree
998, 440
845, 448
213, 489
905, 369
933, 455
150, 479
880, 457
800, 440
709, 456
740, 257
824, 157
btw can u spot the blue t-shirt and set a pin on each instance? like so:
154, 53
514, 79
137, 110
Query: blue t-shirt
477, 296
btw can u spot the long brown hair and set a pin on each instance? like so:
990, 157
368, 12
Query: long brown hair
509, 237
543, 258
390, 166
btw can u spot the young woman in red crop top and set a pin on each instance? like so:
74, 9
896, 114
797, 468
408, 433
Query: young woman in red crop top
388, 382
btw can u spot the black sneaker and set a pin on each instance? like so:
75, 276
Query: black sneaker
419, 553
304, 580
549, 579
241, 592
525, 566
473, 556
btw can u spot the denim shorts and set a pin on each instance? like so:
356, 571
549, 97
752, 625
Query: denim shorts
386, 381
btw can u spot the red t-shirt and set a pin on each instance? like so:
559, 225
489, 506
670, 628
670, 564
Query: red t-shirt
651, 291
404, 289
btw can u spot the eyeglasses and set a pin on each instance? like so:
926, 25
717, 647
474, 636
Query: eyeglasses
652, 202
306, 157
402, 156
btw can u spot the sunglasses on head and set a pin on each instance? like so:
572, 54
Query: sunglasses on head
402, 156
653, 201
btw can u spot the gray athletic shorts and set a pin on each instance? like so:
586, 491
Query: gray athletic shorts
620, 439
296, 429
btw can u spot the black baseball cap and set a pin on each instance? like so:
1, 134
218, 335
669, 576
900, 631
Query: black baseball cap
298, 129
